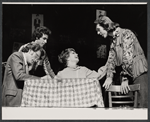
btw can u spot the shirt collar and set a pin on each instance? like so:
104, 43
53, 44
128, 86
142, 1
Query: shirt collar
117, 32
78, 67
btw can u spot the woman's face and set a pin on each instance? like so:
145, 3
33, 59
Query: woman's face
101, 31
73, 56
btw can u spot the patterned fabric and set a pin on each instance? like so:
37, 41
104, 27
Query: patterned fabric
126, 51
66, 93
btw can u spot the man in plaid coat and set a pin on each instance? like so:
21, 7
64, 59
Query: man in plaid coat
16, 73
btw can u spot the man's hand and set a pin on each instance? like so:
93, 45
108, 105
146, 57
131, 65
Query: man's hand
46, 77
107, 83
124, 85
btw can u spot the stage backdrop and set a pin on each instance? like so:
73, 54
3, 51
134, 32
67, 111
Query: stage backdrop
16, 46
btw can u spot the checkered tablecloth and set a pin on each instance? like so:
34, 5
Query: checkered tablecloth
65, 93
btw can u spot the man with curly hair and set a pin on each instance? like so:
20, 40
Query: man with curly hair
40, 36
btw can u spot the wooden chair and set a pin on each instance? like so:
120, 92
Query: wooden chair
122, 99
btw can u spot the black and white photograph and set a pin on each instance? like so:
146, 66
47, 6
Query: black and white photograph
74, 58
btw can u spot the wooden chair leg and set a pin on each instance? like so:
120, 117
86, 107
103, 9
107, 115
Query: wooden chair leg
110, 99
135, 99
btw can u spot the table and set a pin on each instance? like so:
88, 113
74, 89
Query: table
66, 93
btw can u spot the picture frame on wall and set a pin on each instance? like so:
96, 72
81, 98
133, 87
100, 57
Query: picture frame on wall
37, 21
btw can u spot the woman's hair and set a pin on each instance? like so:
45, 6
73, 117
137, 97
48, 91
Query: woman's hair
106, 23
39, 31
34, 47
64, 56
109, 27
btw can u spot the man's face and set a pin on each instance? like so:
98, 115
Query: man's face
42, 40
101, 31
73, 56
33, 56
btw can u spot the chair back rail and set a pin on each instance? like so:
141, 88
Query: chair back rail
116, 88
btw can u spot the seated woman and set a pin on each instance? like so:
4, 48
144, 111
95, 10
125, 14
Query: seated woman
70, 59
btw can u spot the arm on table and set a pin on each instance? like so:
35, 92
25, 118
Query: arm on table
102, 72
47, 67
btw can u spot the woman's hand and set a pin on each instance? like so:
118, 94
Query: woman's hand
46, 77
102, 72
57, 78
124, 85
107, 83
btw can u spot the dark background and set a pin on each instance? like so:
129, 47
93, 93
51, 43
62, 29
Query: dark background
72, 26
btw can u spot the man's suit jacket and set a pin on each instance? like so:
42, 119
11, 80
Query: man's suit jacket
14, 77
43, 63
